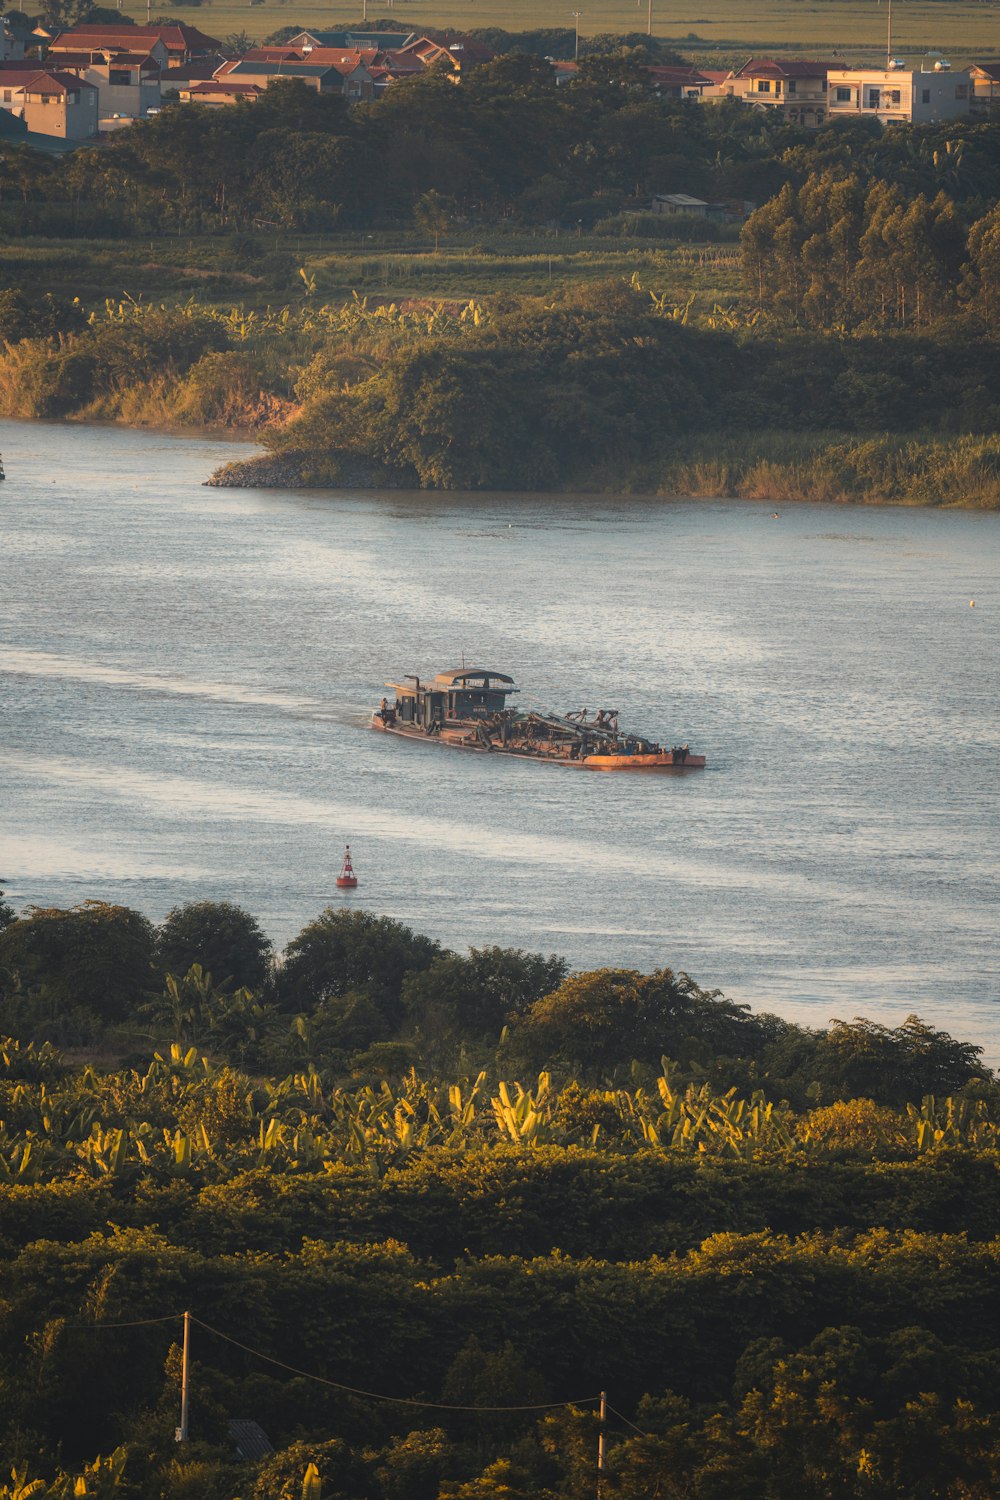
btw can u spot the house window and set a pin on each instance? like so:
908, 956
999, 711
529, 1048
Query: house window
6, 96
961, 91
874, 98
926, 96
763, 86
843, 96
790, 86
893, 96
119, 76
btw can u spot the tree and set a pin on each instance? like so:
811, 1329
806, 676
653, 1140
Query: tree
608, 1017
94, 955
475, 997
347, 949
892, 1065
223, 938
983, 277
434, 214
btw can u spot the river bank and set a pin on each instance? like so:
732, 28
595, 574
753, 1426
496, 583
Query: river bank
776, 467
599, 392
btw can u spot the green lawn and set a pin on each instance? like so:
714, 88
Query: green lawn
852, 27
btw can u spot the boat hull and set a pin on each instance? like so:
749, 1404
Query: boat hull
660, 762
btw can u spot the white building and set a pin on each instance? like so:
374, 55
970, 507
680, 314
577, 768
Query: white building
915, 96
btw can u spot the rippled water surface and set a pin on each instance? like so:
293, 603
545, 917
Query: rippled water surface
188, 674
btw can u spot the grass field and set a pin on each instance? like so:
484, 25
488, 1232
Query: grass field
384, 268
853, 28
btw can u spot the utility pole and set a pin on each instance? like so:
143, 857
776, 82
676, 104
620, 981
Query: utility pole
649, 19
603, 1417
182, 1431
888, 37
576, 14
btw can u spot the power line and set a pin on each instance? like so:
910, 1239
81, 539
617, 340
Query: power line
137, 1323
623, 1418
377, 1396
334, 1384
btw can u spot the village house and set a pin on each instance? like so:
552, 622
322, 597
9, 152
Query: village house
217, 91
698, 208
899, 94
683, 203
563, 70
796, 91
985, 87
683, 83
398, 54
172, 44
128, 83
200, 70
327, 70
352, 41
50, 102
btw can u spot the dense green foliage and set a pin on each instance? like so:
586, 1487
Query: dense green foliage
863, 235
777, 1250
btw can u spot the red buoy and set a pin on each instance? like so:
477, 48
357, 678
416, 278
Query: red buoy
347, 879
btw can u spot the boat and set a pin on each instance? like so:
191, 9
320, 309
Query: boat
467, 709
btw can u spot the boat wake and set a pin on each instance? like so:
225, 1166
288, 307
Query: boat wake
19, 662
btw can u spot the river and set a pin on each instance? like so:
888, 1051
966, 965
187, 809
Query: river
188, 675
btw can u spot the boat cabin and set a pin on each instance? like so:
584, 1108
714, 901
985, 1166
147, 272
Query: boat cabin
465, 693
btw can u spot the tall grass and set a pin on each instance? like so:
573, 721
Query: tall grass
904, 469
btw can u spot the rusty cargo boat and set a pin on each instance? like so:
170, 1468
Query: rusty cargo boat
467, 709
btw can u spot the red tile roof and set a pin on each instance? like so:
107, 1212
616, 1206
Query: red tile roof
272, 54
200, 68
220, 86
176, 38
50, 81
767, 67
676, 75
468, 46
344, 59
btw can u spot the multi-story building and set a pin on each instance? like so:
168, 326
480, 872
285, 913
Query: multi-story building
328, 70
898, 94
50, 102
985, 87
796, 91
128, 83
169, 44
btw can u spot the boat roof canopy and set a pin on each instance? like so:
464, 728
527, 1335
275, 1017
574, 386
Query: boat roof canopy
458, 677
478, 675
